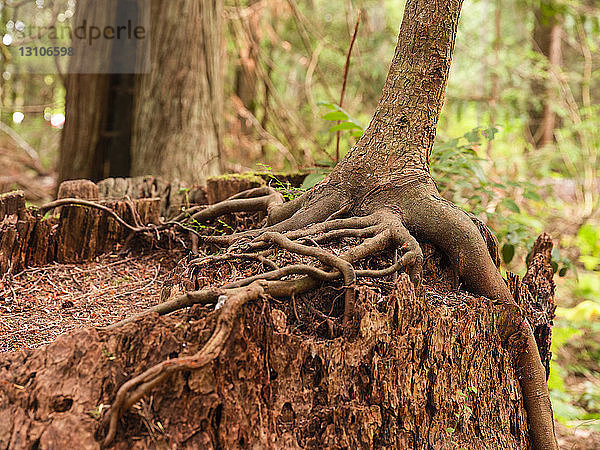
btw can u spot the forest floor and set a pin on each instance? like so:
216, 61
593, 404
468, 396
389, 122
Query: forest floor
39, 304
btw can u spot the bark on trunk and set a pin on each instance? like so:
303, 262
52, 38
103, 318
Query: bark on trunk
178, 106
397, 142
89, 103
246, 78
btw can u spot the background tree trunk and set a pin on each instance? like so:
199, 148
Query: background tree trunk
246, 78
178, 106
164, 123
87, 102
547, 42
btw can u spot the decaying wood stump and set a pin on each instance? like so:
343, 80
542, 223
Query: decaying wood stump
398, 384
541, 306
18, 228
81, 233
78, 234
84, 233
224, 186
173, 195
423, 371
84, 189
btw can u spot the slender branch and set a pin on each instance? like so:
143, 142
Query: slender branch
346, 68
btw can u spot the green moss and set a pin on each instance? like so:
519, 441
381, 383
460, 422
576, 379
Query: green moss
13, 193
248, 176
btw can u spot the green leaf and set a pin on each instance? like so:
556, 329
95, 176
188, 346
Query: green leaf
312, 179
562, 272
335, 115
554, 266
357, 133
491, 132
508, 252
344, 126
510, 204
472, 136
329, 105
449, 430
532, 195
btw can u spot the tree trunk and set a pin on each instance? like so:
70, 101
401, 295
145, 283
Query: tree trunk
547, 42
164, 123
90, 107
178, 105
246, 78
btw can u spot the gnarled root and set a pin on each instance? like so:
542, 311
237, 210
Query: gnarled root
300, 226
134, 389
452, 230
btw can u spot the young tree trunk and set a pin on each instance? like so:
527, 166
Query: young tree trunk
178, 105
547, 42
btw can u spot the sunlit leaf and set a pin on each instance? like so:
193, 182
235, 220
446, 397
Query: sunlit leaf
510, 204
508, 252
335, 115
344, 126
312, 179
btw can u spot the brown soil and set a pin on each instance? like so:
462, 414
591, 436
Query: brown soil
40, 304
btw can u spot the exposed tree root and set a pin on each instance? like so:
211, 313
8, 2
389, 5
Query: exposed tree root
79, 202
133, 390
262, 198
300, 227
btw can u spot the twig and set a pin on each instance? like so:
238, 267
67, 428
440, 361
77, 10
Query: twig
346, 68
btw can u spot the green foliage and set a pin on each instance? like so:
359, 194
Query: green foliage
461, 177
464, 412
314, 178
347, 123
588, 242
220, 228
288, 191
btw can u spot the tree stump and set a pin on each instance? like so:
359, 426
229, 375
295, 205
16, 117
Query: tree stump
84, 232
84, 189
16, 227
173, 196
224, 186
423, 371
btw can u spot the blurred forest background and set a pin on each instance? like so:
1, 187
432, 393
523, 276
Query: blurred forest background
518, 141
